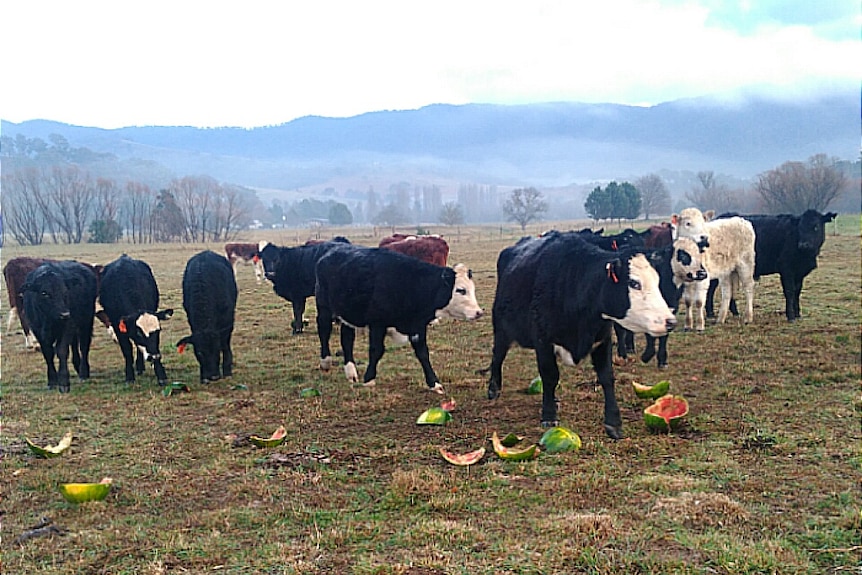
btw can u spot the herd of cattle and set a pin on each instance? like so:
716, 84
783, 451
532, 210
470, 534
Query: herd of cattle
561, 294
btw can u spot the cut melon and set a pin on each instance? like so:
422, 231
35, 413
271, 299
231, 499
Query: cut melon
667, 413
511, 440
449, 404
470, 458
513, 454
51, 450
274, 440
176, 386
82, 492
434, 416
651, 392
559, 439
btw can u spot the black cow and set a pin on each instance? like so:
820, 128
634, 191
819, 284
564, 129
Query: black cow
209, 298
380, 288
130, 297
291, 271
559, 291
60, 302
787, 245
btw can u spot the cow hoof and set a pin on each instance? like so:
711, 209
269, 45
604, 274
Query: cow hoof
369, 383
615, 432
493, 393
163, 382
326, 363
620, 361
350, 372
64, 388
662, 366
551, 423
437, 388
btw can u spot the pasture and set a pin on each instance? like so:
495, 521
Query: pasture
763, 478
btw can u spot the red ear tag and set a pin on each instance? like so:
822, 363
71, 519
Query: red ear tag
255, 259
611, 274
181, 348
122, 326
614, 245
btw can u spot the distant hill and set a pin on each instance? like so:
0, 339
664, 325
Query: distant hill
550, 145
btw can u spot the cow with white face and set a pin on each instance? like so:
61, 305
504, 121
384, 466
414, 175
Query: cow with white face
379, 289
560, 295
730, 259
130, 298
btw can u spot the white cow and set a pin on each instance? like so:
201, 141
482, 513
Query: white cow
729, 259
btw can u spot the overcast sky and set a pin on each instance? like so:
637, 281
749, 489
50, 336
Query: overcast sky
255, 63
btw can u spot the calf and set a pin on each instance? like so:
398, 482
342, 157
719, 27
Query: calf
431, 249
291, 271
130, 297
209, 298
246, 253
560, 291
60, 303
729, 259
15, 272
378, 289
658, 236
786, 245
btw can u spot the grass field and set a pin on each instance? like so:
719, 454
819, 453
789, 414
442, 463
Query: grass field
763, 478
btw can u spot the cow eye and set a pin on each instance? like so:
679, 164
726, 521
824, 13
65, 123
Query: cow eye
461, 291
44, 294
634, 284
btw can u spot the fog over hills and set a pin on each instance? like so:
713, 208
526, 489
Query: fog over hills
542, 145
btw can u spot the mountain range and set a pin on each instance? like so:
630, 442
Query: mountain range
543, 145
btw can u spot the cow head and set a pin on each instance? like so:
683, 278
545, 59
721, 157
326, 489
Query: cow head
812, 230
144, 329
206, 348
687, 261
691, 223
462, 303
647, 311
45, 290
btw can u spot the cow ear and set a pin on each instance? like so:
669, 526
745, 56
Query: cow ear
122, 326
181, 345
164, 314
829, 217
708, 215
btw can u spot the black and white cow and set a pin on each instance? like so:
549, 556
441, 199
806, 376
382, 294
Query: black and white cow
559, 292
786, 245
209, 298
130, 297
60, 303
378, 288
291, 271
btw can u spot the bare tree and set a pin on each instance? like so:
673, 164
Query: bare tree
22, 217
65, 199
451, 214
196, 196
712, 195
795, 187
524, 205
233, 212
137, 209
655, 198
106, 206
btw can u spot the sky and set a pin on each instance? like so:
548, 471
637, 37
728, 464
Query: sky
216, 63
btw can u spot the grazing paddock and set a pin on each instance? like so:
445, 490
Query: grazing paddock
763, 478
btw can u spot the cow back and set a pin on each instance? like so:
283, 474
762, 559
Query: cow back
128, 286
209, 292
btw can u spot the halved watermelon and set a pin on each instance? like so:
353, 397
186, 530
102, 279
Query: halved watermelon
51, 450
667, 413
81, 492
274, 440
513, 454
434, 416
470, 458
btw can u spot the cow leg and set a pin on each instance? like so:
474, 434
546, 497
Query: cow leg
420, 349
788, 286
649, 352
128, 355
376, 349
76, 354
622, 346
63, 365
324, 330
603, 365
348, 341
226, 356
710, 298
161, 375
298, 312
501, 347
748, 287
258, 270
84, 342
48, 354
797, 292
12, 315
662, 352
546, 361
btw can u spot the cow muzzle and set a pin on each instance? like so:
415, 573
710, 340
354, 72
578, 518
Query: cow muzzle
670, 324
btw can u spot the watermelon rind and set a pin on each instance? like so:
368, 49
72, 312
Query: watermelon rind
660, 389
463, 459
276, 439
50, 451
434, 416
514, 454
535, 386
83, 492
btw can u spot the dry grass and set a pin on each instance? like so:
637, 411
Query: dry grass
764, 478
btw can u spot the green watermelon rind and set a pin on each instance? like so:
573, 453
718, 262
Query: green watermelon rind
657, 422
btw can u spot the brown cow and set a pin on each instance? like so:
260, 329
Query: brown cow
431, 249
15, 272
237, 253
658, 236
